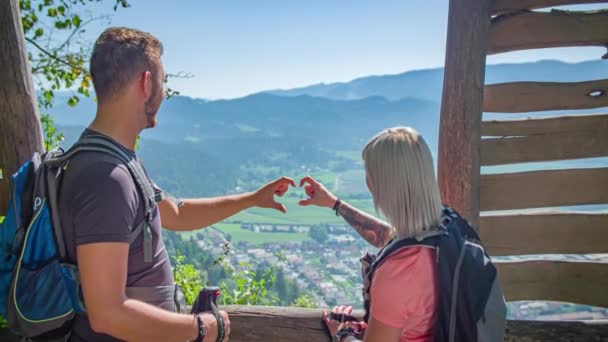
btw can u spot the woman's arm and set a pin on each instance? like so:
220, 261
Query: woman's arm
373, 230
376, 330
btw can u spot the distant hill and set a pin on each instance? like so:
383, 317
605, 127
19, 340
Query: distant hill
427, 84
245, 141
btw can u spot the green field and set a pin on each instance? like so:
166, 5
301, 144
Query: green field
297, 214
239, 234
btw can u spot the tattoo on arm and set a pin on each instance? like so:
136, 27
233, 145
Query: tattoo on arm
373, 230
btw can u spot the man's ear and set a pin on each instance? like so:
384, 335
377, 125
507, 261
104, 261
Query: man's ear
146, 84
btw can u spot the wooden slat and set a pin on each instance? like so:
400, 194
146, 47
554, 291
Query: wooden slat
565, 281
557, 146
502, 6
462, 105
533, 126
535, 30
545, 233
544, 189
517, 97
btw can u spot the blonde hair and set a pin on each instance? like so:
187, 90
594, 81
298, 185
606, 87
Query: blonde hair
401, 178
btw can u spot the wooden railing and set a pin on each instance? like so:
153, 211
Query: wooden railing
282, 324
256, 323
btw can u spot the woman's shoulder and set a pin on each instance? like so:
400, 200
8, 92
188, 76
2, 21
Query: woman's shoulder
412, 267
410, 257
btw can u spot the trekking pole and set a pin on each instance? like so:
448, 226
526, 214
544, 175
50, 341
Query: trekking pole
207, 301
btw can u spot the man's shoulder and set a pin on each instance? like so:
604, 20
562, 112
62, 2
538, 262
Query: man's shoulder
90, 166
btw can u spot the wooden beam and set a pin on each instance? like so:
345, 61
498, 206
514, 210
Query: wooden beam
20, 132
578, 282
534, 148
280, 324
545, 233
257, 323
505, 6
534, 126
461, 105
537, 189
518, 97
524, 30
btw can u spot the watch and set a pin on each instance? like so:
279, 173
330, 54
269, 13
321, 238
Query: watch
201, 329
342, 334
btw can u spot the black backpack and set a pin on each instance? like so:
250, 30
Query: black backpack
471, 306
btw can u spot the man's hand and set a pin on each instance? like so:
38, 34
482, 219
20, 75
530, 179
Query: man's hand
264, 197
211, 326
317, 193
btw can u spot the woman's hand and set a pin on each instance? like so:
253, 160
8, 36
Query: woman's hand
317, 194
333, 325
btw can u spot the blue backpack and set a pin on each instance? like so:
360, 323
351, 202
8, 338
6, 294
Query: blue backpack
39, 290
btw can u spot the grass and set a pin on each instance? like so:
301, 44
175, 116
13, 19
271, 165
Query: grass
351, 182
350, 154
239, 234
297, 214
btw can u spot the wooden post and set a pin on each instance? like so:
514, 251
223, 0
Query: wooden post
20, 132
461, 105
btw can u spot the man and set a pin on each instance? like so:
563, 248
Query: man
100, 205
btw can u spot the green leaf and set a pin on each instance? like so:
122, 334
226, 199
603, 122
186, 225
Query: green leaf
52, 12
76, 21
39, 32
73, 101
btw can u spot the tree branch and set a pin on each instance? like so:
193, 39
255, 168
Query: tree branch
43, 50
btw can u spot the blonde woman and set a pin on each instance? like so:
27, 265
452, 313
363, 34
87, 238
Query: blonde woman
401, 178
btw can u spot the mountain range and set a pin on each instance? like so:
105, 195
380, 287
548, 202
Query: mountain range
302, 128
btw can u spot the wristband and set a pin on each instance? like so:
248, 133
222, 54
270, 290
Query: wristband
201, 329
337, 206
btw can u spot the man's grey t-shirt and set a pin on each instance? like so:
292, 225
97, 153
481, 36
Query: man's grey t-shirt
99, 202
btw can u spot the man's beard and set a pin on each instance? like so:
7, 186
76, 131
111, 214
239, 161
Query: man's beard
152, 106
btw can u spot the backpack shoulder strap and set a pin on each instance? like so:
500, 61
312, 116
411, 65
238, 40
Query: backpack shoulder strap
100, 144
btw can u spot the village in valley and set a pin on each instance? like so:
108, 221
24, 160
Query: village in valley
328, 269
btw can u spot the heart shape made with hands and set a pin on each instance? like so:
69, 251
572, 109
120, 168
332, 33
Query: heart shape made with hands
316, 193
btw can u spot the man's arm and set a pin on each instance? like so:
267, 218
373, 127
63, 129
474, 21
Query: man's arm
373, 230
194, 214
103, 273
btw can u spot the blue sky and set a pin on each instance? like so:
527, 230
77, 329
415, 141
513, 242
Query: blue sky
237, 47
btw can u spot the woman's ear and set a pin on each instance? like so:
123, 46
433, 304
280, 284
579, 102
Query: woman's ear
368, 182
